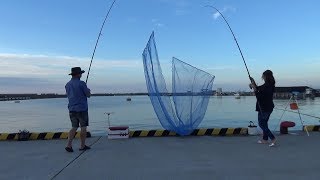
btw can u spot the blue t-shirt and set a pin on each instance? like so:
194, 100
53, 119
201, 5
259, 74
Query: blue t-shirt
77, 92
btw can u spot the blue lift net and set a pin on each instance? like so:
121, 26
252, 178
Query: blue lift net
182, 110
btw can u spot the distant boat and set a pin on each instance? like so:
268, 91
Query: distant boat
237, 96
17, 101
128, 98
309, 93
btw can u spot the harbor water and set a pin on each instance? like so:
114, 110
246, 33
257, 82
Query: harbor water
44, 115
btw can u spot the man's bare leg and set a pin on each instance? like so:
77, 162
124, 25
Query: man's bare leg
83, 136
71, 135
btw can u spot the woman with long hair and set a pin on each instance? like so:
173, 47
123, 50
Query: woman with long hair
264, 105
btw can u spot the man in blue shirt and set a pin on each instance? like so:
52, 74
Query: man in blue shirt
77, 92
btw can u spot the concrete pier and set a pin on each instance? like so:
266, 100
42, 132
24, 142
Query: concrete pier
295, 157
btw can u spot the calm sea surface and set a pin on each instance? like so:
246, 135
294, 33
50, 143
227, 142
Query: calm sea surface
52, 114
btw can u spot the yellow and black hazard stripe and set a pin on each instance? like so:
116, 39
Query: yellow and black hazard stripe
196, 132
152, 133
220, 132
312, 127
39, 136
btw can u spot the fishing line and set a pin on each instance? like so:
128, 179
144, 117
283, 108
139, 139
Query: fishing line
77, 157
95, 47
297, 113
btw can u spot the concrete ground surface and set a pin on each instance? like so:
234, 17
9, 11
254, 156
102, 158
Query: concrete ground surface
295, 157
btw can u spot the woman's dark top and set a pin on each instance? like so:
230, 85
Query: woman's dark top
264, 96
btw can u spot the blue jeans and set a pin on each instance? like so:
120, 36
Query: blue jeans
263, 118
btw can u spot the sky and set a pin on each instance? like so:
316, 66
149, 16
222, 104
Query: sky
40, 40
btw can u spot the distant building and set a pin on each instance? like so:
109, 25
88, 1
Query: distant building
219, 92
11, 97
317, 93
303, 92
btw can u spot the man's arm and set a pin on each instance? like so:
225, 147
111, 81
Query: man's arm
85, 89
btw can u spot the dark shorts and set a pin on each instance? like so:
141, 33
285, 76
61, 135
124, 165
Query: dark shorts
77, 118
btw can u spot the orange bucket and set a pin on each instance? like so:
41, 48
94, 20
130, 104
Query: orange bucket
294, 106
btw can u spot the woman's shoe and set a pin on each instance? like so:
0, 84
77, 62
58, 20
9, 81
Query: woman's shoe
273, 143
262, 142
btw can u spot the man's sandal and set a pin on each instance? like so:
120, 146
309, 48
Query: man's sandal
85, 148
69, 149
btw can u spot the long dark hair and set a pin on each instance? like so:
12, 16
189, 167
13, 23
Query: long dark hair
268, 78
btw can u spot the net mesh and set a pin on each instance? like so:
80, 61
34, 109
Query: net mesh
182, 110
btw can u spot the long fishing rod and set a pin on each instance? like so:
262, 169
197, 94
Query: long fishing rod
95, 47
234, 37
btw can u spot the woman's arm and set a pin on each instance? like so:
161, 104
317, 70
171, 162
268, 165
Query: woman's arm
253, 84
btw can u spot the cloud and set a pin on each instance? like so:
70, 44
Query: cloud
30, 85
182, 3
182, 7
43, 65
157, 23
43, 73
222, 68
18, 85
28, 73
216, 14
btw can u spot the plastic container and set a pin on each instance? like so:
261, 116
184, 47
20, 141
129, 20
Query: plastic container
252, 129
